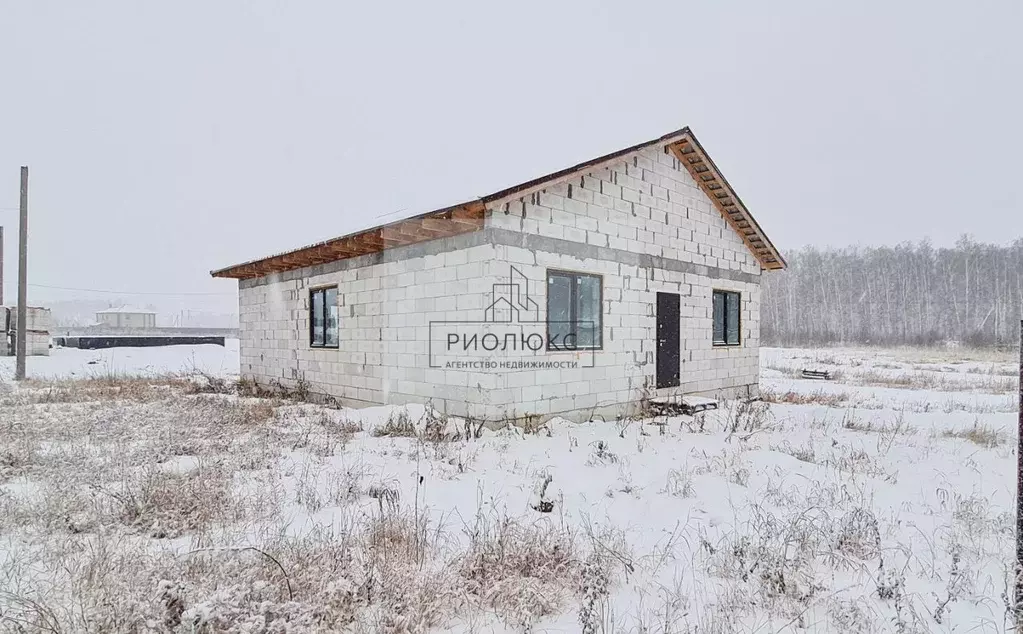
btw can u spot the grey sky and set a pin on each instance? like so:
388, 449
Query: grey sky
168, 139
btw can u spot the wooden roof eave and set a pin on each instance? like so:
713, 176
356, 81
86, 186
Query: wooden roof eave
701, 167
446, 222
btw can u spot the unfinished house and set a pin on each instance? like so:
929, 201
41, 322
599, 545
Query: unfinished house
631, 277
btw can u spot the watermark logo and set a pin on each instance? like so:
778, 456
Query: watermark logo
513, 334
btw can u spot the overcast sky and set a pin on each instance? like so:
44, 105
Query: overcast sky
168, 139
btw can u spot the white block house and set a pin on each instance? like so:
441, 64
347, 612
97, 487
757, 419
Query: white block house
630, 276
126, 317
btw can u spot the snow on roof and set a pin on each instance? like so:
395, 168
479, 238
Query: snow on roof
126, 309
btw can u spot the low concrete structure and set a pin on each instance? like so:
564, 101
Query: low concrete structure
632, 276
99, 336
160, 331
97, 342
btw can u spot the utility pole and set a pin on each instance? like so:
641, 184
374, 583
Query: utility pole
22, 340
1, 267
1019, 493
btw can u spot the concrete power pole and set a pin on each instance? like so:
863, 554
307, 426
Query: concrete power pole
1019, 493
22, 341
1, 266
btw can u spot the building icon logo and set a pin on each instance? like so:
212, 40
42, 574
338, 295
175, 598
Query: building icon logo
510, 301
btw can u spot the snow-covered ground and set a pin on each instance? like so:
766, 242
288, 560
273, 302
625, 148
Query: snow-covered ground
878, 502
75, 363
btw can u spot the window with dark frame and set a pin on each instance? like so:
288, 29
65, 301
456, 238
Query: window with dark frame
574, 310
726, 318
323, 318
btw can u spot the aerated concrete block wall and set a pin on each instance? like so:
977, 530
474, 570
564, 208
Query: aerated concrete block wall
37, 335
386, 302
642, 223
646, 227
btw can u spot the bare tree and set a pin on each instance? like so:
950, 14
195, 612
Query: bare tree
908, 294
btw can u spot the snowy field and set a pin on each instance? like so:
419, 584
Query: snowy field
880, 501
79, 364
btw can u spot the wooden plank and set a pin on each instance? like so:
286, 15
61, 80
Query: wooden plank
404, 231
358, 247
447, 225
467, 224
302, 258
469, 212
451, 222
436, 224
341, 248
420, 232
685, 148
392, 237
817, 374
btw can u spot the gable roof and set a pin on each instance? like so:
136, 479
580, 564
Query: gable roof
469, 216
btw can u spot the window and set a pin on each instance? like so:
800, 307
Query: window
323, 318
726, 318
574, 319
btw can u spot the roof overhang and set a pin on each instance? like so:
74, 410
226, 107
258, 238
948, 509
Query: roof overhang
442, 223
469, 216
707, 175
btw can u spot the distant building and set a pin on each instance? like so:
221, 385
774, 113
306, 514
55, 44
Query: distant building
126, 317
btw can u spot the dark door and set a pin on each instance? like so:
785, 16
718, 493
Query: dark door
668, 345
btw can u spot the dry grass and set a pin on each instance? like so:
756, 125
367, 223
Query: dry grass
680, 483
979, 434
745, 417
995, 370
805, 453
772, 556
857, 461
399, 425
952, 354
897, 425
103, 388
154, 505
941, 381
820, 397
524, 571
164, 504
323, 581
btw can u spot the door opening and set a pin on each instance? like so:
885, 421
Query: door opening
668, 340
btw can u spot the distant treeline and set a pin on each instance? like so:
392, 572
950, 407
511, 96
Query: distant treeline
909, 294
